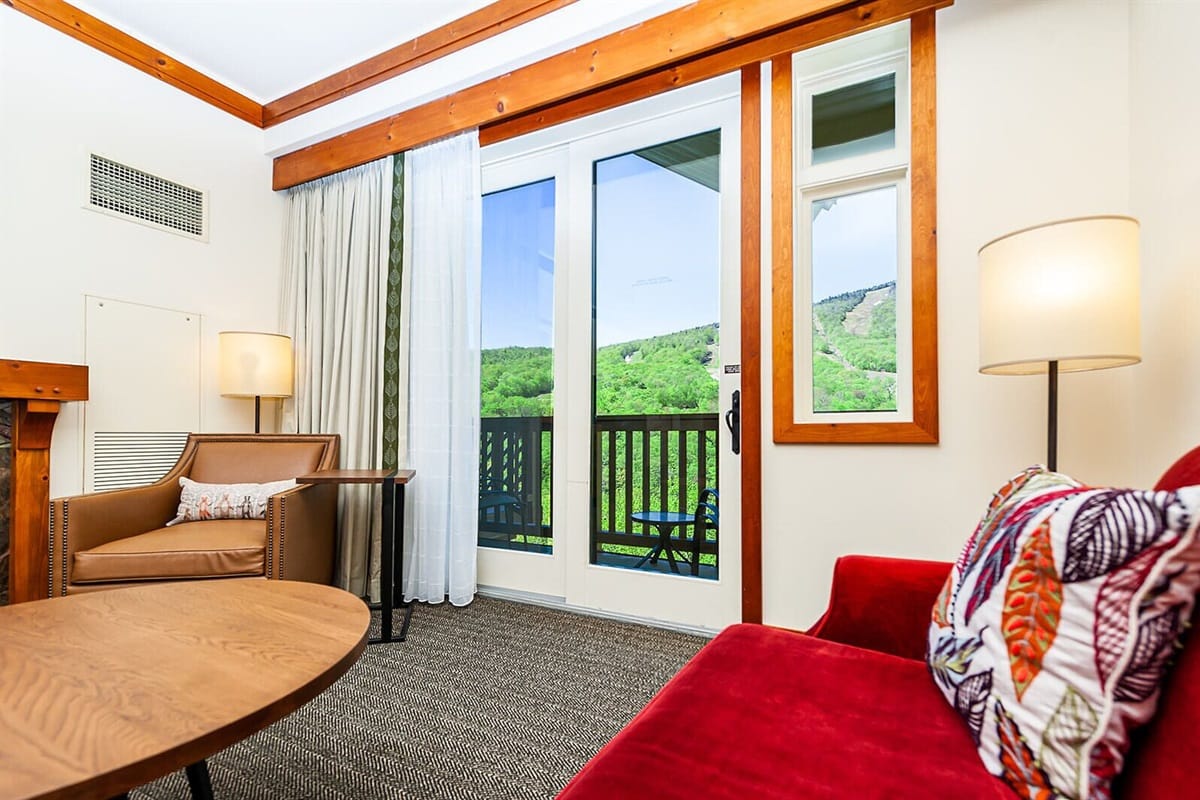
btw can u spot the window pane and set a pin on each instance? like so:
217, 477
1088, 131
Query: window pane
517, 368
657, 268
854, 268
854, 120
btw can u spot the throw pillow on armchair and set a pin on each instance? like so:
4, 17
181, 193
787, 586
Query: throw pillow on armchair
1056, 626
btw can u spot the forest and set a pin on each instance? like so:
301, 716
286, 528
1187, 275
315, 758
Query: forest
670, 374
854, 350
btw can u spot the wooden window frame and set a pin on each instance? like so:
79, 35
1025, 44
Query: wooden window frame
922, 178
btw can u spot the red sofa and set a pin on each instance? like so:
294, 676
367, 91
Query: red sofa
848, 710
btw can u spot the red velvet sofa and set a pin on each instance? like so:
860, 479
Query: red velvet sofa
848, 710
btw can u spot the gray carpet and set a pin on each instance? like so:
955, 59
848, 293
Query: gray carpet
495, 700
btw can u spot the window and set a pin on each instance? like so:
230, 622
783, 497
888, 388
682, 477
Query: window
855, 315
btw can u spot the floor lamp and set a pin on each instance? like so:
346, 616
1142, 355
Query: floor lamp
255, 365
1060, 297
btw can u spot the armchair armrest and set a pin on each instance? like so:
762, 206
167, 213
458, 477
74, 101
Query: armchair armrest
882, 604
89, 520
301, 533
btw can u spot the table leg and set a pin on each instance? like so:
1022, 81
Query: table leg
398, 563
666, 543
199, 781
386, 556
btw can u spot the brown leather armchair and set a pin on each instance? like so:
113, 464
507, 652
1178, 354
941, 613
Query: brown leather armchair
113, 539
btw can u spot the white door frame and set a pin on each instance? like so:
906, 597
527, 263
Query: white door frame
570, 150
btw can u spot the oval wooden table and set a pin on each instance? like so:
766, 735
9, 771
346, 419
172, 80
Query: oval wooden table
105, 691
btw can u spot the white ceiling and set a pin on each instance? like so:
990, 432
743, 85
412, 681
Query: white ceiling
268, 48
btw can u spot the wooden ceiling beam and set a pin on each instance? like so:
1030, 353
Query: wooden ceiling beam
666, 40
493, 19
96, 33
874, 14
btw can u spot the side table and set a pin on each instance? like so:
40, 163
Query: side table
391, 549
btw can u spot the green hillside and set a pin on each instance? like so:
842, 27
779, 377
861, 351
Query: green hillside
854, 350
670, 374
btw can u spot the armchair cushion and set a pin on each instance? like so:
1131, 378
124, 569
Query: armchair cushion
219, 548
205, 501
1054, 630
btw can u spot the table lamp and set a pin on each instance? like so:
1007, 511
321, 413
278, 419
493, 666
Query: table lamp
255, 365
1060, 297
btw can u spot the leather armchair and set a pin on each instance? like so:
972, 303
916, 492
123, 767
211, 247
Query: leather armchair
119, 538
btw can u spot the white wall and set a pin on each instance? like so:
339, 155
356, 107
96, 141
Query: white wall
1034, 119
60, 99
1165, 60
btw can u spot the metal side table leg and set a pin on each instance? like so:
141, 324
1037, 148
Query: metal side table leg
397, 570
387, 546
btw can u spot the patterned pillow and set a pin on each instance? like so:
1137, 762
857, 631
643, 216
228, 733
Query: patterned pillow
201, 501
1057, 624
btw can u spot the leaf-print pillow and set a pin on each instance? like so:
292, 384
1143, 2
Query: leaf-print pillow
1058, 622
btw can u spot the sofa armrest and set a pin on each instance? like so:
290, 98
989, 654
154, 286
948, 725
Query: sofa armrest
302, 533
882, 604
90, 520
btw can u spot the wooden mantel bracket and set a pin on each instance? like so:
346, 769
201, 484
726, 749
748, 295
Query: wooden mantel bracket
38, 390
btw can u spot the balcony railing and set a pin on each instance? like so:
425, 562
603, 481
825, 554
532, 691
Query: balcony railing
515, 482
640, 462
649, 462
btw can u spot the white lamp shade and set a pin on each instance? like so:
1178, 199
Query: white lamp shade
255, 364
1064, 291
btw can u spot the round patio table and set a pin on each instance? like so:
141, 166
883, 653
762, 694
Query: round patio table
665, 522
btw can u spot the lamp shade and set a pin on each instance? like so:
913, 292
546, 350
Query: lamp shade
1065, 291
255, 364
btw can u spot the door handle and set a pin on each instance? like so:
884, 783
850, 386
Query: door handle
733, 420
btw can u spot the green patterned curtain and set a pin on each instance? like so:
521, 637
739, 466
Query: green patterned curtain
391, 336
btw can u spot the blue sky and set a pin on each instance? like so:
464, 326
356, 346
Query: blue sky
657, 256
518, 267
854, 242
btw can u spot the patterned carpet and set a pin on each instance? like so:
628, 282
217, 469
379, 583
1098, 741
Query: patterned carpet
495, 700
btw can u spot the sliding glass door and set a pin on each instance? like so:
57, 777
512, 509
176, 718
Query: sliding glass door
517, 448
617, 402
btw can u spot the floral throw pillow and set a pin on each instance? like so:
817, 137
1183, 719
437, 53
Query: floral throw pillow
1058, 622
201, 501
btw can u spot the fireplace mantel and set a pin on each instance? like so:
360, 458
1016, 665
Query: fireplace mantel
37, 389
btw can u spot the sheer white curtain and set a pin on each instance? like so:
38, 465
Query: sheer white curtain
335, 257
443, 399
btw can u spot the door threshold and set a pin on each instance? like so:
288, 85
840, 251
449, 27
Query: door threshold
561, 604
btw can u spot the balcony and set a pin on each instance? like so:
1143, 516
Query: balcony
640, 462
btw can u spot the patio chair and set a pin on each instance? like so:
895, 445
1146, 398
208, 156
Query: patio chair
707, 516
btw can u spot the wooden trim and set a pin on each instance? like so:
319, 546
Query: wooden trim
923, 180
123, 47
782, 262
40, 380
923, 185
751, 330
498, 17
763, 48
37, 390
675, 37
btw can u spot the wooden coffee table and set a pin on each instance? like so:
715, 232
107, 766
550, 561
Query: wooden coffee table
105, 691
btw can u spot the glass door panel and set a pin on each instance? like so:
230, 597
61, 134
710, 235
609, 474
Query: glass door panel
517, 369
656, 357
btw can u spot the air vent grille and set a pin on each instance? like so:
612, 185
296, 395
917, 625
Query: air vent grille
124, 459
118, 189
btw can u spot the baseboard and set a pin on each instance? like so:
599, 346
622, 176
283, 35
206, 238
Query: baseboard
560, 604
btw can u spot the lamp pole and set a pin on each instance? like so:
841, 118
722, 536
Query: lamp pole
1052, 418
